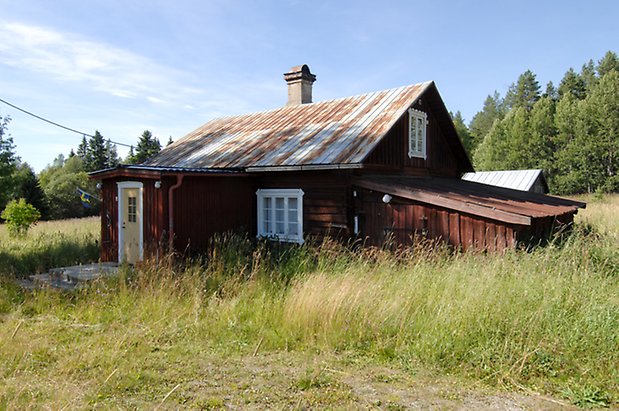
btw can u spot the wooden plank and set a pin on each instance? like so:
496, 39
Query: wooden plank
443, 224
491, 243
333, 218
501, 239
466, 232
454, 229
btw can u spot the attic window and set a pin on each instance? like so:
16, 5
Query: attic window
417, 121
280, 214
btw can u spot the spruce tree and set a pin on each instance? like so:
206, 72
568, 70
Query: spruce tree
111, 155
482, 121
82, 149
574, 84
147, 147
96, 153
8, 162
27, 186
551, 91
130, 159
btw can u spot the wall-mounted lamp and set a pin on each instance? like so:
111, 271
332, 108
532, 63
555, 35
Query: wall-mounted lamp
99, 185
387, 198
157, 184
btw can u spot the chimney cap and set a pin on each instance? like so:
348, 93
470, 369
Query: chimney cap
301, 72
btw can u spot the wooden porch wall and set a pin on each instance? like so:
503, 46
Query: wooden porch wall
155, 222
400, 220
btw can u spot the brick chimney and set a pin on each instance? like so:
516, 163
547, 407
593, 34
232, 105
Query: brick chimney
300, 82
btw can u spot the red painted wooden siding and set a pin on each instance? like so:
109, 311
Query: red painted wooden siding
401, 220
206, 205
327, 200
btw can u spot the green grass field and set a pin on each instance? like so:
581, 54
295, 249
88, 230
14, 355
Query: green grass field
49, 244
259, 326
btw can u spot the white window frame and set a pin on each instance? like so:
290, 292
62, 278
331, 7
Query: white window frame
413, 149
287, 193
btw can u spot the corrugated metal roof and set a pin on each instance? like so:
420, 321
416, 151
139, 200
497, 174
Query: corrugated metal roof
516, 207
338, 133
515, 179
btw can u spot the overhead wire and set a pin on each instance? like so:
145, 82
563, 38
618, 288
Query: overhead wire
58, 125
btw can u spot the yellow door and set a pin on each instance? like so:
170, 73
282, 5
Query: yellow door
131, 225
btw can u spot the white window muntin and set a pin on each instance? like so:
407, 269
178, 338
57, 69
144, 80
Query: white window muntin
417, 124
280, 214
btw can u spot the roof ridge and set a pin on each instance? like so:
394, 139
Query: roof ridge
424, 83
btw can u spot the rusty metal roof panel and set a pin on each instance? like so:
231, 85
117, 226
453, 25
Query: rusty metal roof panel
473, 198
335, 132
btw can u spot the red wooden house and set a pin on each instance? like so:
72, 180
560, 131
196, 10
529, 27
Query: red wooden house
375, 165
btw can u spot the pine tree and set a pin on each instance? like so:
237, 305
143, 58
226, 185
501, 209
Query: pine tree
492, 150
542, 135
27, 186
587, 73
608, 63
551, 91
111, 155
96, 153
600, 133
8, 162
130, 159
482, 121
524, 93
170, 141
574, 84
147, 147
463, 132
82, 149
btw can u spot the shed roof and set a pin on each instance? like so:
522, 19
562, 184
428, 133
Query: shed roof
501, 204
515, 179
336, 133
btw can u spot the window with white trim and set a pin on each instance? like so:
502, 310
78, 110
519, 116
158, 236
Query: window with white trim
417, 121
280, 214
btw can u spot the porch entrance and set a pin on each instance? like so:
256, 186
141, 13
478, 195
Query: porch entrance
130, 240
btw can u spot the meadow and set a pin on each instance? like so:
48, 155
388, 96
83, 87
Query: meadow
257, 325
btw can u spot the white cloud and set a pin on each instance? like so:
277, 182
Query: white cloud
155, 100
69, 58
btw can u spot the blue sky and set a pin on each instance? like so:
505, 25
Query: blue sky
169, 66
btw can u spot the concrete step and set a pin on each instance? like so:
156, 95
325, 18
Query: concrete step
69, 278
87, 272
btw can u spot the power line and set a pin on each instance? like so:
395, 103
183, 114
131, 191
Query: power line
58, 125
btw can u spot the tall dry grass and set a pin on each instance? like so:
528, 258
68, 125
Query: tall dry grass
545, 320
49, 244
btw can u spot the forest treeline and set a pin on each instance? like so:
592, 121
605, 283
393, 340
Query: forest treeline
54, 191
571, 131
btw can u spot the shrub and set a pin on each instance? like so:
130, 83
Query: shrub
19, 216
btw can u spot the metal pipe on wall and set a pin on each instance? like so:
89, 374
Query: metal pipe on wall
179, 181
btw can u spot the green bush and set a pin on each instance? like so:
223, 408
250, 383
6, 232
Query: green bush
19, 216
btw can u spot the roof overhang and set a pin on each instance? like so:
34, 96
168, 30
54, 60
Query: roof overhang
140, 171
505, 205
